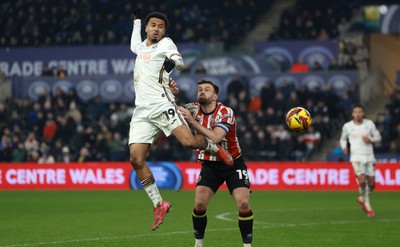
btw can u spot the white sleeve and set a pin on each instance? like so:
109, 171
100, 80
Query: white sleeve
343, 137
136, 36
375, 135
173, 53
177, 58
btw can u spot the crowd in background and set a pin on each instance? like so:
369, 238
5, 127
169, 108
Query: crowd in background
63, 128
83, 22
322, 20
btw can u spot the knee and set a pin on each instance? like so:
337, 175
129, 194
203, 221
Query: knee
362, 182
136, 161
200, 206
243, 205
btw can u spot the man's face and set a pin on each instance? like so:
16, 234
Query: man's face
358, 114
155, 29
206, 94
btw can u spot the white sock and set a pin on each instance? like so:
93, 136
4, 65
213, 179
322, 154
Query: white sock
246, 245
154, 194
199, 242
366, 198
211, 146
362, 192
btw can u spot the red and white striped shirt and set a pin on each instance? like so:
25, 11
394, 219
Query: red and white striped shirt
222, 117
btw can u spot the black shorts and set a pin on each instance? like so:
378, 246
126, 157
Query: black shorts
214, 173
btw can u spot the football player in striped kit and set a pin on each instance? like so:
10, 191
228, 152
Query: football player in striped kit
217, 122
155, 108
361, 133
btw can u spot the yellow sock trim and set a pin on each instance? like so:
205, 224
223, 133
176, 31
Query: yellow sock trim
198, 216
246, 218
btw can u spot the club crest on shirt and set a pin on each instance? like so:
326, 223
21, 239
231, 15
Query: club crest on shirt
212, 122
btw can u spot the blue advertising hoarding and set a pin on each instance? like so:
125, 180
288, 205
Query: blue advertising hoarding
167, 175
119, 88
285, 53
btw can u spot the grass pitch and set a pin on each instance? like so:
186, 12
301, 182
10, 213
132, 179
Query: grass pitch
123, 218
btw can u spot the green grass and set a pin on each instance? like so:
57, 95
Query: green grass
123, 218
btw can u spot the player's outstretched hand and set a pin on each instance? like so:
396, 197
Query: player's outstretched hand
137, 13
168, 64
172, 85
187, 115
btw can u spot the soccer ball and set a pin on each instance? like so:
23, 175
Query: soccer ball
298, 119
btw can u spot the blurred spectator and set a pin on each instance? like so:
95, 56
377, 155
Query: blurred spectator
19, 153
47, 71
350, 64
46, 157
267, 93
5, 148
74, 113
61, 72
317, 66
77, 139
334, 65
50, 128
84, 155
66, 156
33, 156
299, 67
312, 138
31, 144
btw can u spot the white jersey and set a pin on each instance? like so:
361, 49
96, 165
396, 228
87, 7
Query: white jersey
150, 78
360, 151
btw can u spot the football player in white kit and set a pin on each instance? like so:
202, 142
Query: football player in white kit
155, 109
361, 133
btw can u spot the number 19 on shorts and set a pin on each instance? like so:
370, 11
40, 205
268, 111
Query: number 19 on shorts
242, 174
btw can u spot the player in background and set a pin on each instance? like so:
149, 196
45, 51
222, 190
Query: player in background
155, 109
217, 122
361, 133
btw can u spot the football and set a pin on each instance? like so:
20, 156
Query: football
298, 119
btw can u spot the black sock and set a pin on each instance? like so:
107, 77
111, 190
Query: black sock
199, 219
246, 226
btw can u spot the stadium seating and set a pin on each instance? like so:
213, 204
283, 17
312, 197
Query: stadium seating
66, 23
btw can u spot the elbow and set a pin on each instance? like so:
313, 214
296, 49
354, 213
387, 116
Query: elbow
179, 65
178, 61
215, 139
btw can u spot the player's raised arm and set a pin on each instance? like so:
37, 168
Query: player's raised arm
137, 23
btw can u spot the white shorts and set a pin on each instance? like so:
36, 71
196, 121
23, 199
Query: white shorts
147, 122
365, 168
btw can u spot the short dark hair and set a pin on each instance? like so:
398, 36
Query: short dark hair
157, 15
358, 106
204, 81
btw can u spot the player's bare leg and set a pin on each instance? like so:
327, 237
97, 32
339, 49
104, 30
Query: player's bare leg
370, 182
137, 153
245, 218
362, 183
185, 137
